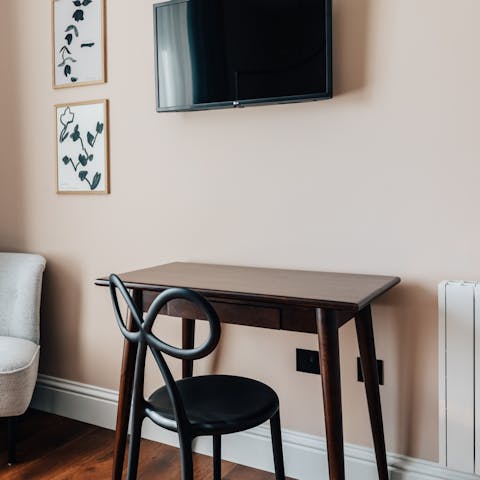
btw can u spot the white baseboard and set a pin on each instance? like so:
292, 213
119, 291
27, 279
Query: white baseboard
305, 455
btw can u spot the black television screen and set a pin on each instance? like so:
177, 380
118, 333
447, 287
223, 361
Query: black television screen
224, 53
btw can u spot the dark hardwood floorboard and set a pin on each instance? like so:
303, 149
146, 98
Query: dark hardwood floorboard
56, 448
244, 473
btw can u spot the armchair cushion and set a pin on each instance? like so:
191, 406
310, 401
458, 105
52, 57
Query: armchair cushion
18, 373
16, 354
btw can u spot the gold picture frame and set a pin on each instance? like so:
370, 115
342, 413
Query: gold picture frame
82, 158
78, 61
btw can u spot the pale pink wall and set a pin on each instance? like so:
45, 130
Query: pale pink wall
11, 170
382, 179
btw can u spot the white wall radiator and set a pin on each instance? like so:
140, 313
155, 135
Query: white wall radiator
459, 375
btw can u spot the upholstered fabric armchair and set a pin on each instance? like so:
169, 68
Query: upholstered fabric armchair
20, 291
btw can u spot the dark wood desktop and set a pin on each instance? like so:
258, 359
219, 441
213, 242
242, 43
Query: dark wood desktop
299, 301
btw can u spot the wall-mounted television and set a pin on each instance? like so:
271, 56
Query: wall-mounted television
235, 53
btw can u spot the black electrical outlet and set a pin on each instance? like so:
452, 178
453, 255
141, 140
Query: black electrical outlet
379, 368
307, 361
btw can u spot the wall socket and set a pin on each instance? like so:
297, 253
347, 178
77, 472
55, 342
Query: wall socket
379, 368
307, 361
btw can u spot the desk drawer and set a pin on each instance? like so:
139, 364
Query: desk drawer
238, 314
253, 315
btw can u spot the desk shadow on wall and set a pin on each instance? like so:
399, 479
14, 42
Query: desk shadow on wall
12, 170
414, 329
351, 22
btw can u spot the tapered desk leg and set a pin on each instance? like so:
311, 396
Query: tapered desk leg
125, 395
188, 341
366, 343
327, 327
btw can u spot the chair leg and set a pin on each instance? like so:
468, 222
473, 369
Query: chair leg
12, 440
277, 446
186, 456
217, 457
134, 447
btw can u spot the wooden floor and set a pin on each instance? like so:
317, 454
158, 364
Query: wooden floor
56, 448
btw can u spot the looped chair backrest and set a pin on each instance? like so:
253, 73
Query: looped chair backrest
144, 336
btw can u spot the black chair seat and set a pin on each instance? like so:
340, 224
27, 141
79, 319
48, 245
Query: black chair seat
216, 404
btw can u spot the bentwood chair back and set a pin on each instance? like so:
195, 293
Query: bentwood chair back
209, 405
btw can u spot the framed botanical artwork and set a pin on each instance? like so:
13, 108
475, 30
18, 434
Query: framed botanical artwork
82, 147
78, 34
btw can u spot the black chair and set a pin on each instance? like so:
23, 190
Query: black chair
206, 405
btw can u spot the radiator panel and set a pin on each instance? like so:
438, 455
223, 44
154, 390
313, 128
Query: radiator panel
458, 364
477, 379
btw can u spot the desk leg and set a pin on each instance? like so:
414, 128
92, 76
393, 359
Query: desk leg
125, 395
366, 343
327, 327
188, 341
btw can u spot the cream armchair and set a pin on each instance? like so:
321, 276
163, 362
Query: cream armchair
20, 291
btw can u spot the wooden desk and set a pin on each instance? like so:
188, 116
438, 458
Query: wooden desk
299, 301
